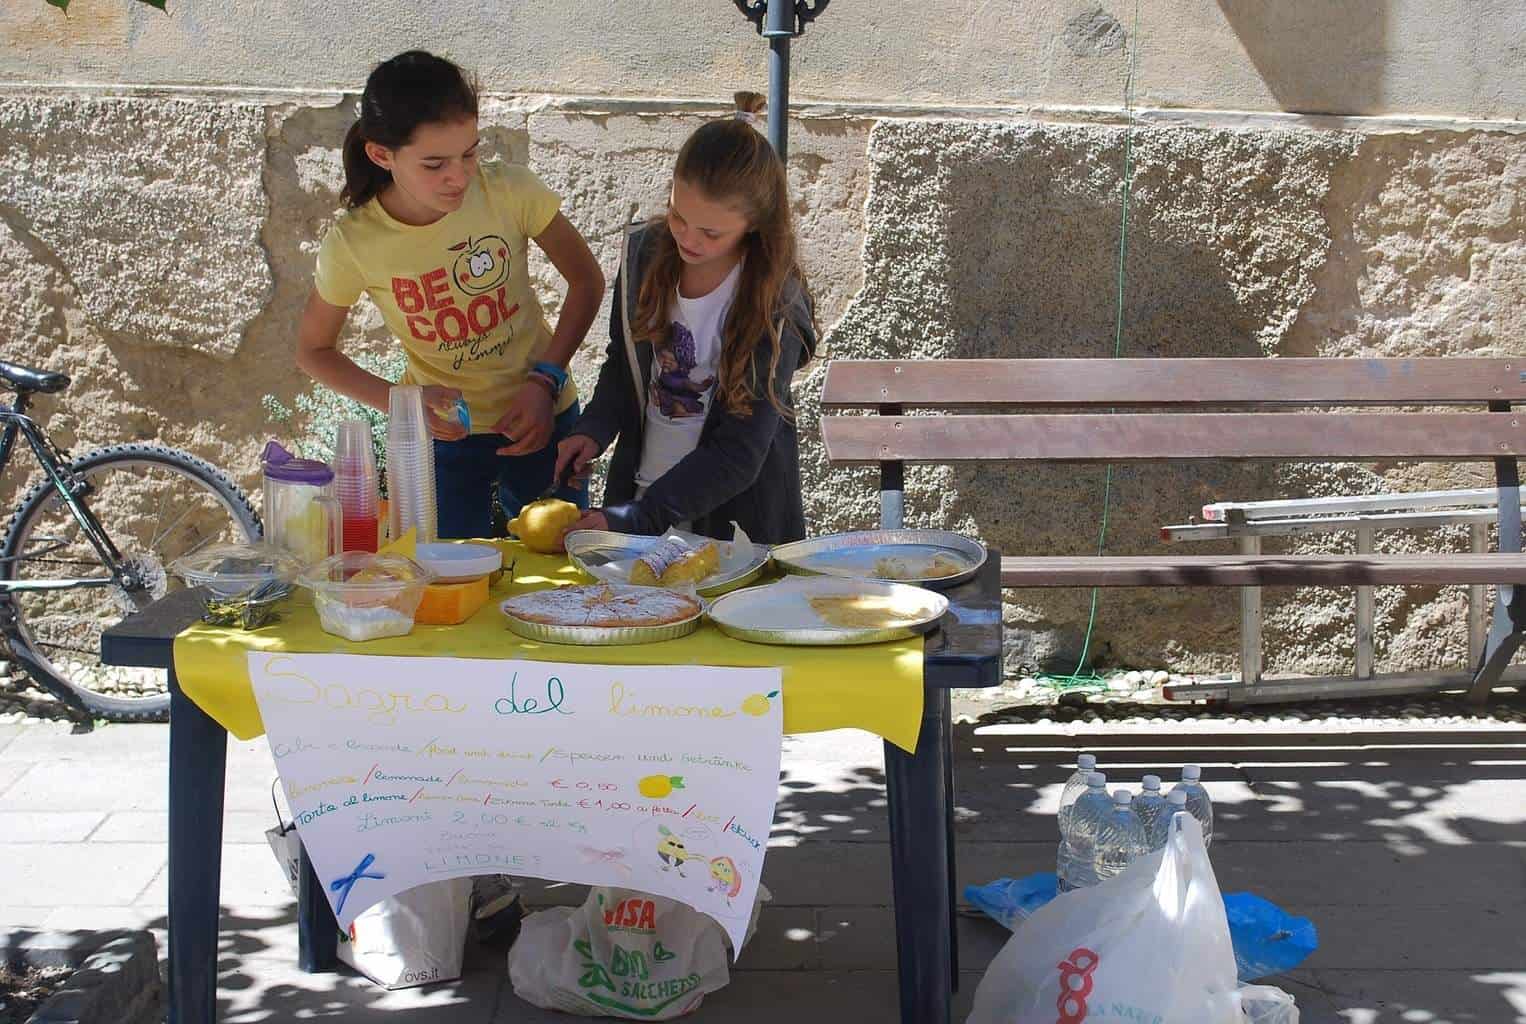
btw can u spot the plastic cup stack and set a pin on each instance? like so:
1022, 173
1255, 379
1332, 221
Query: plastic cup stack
410, 466
355, 485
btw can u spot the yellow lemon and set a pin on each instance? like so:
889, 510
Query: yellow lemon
757, 704
541, 524
655, 787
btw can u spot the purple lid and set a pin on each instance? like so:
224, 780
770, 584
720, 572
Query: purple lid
280, 464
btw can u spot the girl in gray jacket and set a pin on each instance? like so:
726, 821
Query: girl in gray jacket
711, 318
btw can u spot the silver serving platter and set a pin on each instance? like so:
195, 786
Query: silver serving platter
589, 549
852, 555
753, 614
600, 636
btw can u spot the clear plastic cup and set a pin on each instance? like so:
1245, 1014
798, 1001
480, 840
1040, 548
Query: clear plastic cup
410, 466
355, 485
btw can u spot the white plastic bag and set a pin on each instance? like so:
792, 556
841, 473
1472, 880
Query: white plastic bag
417, 937
1151, 944
1267, 1004
623, 954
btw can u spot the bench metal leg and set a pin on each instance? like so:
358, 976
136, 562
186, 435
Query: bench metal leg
317, 930
1478, 610
1250, 625
198, 768
1365, 609
1505, 632
916, 790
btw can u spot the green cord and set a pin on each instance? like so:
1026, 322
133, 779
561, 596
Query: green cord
1123, 248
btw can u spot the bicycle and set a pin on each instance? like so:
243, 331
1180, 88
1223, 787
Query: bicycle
66, 576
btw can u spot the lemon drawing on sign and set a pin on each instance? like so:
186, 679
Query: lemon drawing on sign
757, 704
655, 787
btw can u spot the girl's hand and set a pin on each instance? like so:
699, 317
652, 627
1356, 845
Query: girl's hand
440, 413
580, 450
593, 519
529, 421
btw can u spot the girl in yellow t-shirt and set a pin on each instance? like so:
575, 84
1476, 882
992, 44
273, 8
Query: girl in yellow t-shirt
439, 243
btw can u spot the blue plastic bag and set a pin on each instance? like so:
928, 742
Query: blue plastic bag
1267, 940
1010, 900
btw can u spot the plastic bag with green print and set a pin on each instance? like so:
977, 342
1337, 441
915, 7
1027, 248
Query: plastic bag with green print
624, 954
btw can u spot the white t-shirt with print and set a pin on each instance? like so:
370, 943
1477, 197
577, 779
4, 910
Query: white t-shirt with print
684, 372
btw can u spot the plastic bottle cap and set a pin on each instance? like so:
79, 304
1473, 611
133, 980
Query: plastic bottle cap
280, 464
1087, 762
1123, 798
1151, 782
1178, 797
1191, 773
1096, 779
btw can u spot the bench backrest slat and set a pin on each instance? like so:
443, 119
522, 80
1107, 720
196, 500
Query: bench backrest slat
955, 383
1156, 437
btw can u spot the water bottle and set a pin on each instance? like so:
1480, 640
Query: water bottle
1074, 862
1198, 803
1121, 839
1074, 787
1153, 811
1176, 803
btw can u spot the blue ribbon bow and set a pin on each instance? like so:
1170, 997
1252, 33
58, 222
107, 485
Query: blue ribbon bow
343, 885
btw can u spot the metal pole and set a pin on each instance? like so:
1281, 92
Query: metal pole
779, 21
778, 92
779, 29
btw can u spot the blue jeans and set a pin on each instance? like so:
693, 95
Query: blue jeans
467, 471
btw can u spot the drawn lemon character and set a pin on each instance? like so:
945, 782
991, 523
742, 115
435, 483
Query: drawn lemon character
757, 704
656, 787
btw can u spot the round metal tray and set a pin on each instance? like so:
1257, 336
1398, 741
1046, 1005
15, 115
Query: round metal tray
600, 636
592, 549
852, 555
753, 614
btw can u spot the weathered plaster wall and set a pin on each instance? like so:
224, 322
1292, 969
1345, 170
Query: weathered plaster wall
157, 244
1463, 58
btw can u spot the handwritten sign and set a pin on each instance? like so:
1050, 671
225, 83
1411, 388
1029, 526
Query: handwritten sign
401, 771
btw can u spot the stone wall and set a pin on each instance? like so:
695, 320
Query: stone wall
164, 182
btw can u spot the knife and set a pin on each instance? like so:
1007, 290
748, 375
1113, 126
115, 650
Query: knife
556, 483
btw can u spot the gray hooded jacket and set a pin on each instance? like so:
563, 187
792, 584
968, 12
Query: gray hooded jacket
745, 470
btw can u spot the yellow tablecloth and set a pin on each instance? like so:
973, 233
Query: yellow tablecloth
876, 687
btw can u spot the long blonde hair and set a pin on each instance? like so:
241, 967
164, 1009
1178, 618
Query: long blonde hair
730, 161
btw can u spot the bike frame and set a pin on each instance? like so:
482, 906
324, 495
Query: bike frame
18, 422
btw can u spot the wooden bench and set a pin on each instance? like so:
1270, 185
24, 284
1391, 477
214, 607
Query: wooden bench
1164, 410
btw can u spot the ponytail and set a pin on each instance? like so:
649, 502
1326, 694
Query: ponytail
410, 90
363, 178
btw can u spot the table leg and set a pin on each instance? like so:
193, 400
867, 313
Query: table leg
918, 798
198, 768
953, 865
317, 930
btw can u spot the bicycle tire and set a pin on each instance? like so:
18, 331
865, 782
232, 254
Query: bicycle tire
30, 513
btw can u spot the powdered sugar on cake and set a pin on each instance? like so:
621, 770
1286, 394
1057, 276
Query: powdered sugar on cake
603, 605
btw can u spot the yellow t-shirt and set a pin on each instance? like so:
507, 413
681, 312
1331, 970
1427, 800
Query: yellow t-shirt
457, 292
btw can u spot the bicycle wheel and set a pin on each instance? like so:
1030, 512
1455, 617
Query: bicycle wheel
155, 504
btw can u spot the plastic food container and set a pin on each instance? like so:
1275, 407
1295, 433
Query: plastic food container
459, 563
365, 596
241, 582
300, 511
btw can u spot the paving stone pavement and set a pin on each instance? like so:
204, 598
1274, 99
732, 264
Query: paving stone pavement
1406, 847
